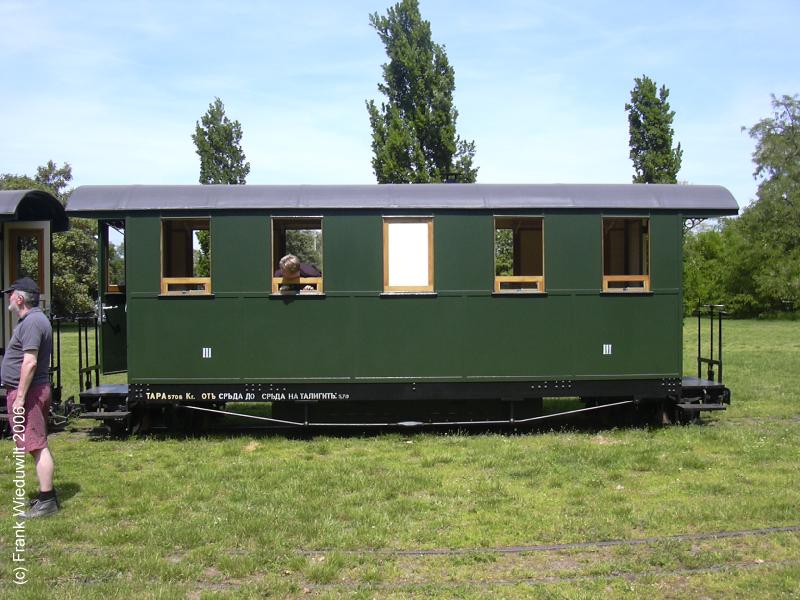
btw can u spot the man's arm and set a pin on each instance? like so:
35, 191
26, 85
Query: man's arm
29, 361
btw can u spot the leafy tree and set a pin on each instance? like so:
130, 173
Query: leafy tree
305, 244
74, 258
55, 178
219, 145
75, 268
703, 259
769, 227
504, 252
752, 264
414, 137
650, 126
116, 258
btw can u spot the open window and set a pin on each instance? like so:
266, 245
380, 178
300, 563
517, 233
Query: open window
626, 255
114, 321
26, 257
408, 254
113, 237
300, 237
518, 254
185, 257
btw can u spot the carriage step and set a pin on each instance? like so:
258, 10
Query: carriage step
105, 414
696, 406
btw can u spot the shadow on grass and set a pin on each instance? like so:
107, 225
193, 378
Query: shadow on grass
67, 490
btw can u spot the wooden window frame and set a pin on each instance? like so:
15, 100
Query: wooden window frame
14, 233
644, 278
113, 288
277, 282
400, 289
166, 282
499, 280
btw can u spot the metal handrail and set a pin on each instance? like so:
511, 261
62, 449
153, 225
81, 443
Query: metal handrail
713, 311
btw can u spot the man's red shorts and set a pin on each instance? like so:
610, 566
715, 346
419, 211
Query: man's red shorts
37, 409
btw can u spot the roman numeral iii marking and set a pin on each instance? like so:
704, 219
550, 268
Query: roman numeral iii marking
206, 352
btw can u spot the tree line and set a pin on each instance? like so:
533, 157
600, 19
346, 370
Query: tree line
750, 263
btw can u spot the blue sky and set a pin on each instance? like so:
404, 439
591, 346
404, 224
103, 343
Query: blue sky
115, 88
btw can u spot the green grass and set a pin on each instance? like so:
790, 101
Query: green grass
245, 516
69, 362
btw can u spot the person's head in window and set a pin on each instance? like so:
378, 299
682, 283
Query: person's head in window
290, 267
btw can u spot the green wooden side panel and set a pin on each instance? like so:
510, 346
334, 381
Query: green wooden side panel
640, 329
666, 267
408, 337
166, 338
463, 252
352, 252
143, 254
240, 253
353, 333
293, 339
517, 337
572, 252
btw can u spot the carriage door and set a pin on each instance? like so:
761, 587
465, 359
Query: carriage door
113, 321
26, 253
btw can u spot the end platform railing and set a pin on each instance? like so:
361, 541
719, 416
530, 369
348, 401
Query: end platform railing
714, 312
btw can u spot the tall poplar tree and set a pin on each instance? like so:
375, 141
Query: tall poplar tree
414, 137
219, 145
650, 126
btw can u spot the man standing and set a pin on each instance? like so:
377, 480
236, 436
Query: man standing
25, 376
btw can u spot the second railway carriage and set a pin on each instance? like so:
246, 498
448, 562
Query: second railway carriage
435, 303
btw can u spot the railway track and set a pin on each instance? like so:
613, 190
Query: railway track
684, 537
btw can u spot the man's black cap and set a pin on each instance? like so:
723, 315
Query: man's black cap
26, 284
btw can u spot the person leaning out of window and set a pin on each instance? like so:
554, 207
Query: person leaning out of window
290, 268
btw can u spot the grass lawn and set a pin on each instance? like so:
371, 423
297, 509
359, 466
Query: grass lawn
394, 516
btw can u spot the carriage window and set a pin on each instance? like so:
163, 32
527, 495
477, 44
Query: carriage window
518, 254
301, 238
26, 258
626, 255
185, 257
408, 254
114, 240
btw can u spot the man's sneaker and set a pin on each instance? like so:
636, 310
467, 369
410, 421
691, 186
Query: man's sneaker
35, 500
42, 508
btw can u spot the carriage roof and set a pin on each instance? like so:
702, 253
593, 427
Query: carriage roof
32, 205
692, 200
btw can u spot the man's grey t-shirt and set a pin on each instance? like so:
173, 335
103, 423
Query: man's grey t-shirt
33, 332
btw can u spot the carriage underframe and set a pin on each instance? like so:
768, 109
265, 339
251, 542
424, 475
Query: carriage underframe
141, 407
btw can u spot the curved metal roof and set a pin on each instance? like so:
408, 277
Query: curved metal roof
32, 205
701, 199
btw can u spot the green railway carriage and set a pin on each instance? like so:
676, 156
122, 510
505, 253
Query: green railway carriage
435, 303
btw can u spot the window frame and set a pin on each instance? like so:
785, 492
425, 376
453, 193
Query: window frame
644, 278
205, 282
14, 235
276, 282
539, 280
407, 289
114, 288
